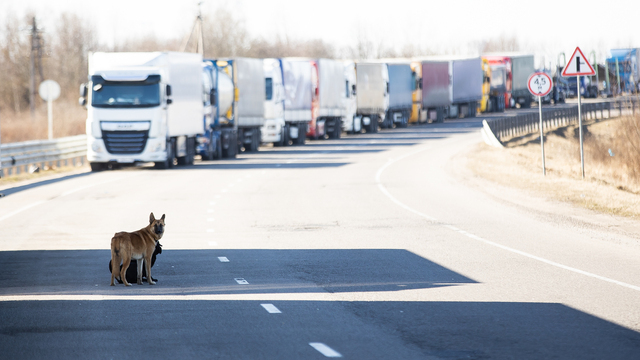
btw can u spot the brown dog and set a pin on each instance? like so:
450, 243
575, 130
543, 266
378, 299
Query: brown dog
137, 245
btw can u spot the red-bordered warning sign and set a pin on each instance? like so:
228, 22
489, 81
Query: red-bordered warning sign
540, 84
578, 65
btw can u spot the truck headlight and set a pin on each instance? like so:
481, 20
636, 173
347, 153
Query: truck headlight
96, 147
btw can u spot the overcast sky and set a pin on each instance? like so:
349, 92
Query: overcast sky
544, 27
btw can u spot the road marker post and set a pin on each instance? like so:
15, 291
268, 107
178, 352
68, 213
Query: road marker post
540, 84
576, 67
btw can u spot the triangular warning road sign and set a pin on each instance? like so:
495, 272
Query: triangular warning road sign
578, 65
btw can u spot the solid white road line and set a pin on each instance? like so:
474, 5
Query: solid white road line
62, 195
223, 259
21, 210
271, 308
478, 238
325, 350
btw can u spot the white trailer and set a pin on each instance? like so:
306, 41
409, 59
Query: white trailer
372, 94
299, 94
330, 97
451, 86
248, 78
143, 107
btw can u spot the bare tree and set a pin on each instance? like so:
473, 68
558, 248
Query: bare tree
70, 43
14, 56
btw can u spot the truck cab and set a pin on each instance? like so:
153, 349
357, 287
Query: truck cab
351, 123
273, 130
142, 107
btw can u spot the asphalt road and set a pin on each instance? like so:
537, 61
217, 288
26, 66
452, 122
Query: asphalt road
368, 247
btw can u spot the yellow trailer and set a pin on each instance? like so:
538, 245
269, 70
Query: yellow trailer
417, 115
484, 104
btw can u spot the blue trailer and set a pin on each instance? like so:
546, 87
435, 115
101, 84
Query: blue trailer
220, 139
623, 63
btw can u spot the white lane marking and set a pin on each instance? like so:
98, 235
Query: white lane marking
241, 281
271, 308
210, 230
478, 238
325, 350
21, 210
223, 259
61, 195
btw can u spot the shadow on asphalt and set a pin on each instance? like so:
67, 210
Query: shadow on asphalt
226, 329
192, 272
13, 190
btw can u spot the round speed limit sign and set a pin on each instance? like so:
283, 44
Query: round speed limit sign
540, 84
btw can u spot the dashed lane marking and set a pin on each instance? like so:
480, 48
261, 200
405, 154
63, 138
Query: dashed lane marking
271, 308
241, 281
325, 350
223, 259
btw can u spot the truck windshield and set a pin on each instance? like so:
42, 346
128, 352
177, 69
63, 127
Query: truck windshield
124, 93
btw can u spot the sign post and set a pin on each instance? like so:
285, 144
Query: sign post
49, 90
579, 65
540, 84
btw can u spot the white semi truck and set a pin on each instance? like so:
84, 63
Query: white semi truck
143, 107
351, 123
274, 130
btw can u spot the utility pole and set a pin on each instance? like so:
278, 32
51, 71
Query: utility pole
35, 51
198, 30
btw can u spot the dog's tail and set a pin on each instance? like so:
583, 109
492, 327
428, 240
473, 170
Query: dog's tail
114, 264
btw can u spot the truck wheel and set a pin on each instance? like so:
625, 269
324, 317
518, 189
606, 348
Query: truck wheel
209, 152
95, 167
168, 163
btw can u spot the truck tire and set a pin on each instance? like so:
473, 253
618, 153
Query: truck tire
302, 134
168, 163
95, 167
209, 152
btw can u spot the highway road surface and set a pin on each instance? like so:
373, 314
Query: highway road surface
373, 246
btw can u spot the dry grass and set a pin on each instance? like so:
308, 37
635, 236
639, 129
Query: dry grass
68, 119
612, 179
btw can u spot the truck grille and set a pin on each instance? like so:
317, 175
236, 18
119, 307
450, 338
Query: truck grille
125, 142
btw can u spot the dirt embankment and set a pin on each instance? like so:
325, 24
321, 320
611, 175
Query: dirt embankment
612, 166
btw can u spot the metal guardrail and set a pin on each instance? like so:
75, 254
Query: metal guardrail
524, 124
18, 157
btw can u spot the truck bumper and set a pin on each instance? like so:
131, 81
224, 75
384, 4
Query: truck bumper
154, 151
271, 131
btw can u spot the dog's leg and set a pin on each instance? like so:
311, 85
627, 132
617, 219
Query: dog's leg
114, 268
126, 260
147, 262
139, 262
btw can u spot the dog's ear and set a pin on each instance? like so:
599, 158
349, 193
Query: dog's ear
162, 218
151, 218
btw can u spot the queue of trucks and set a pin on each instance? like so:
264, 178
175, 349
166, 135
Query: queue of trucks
169, 107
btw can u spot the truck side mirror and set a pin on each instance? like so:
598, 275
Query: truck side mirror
82, 101
83, 90
168, 92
